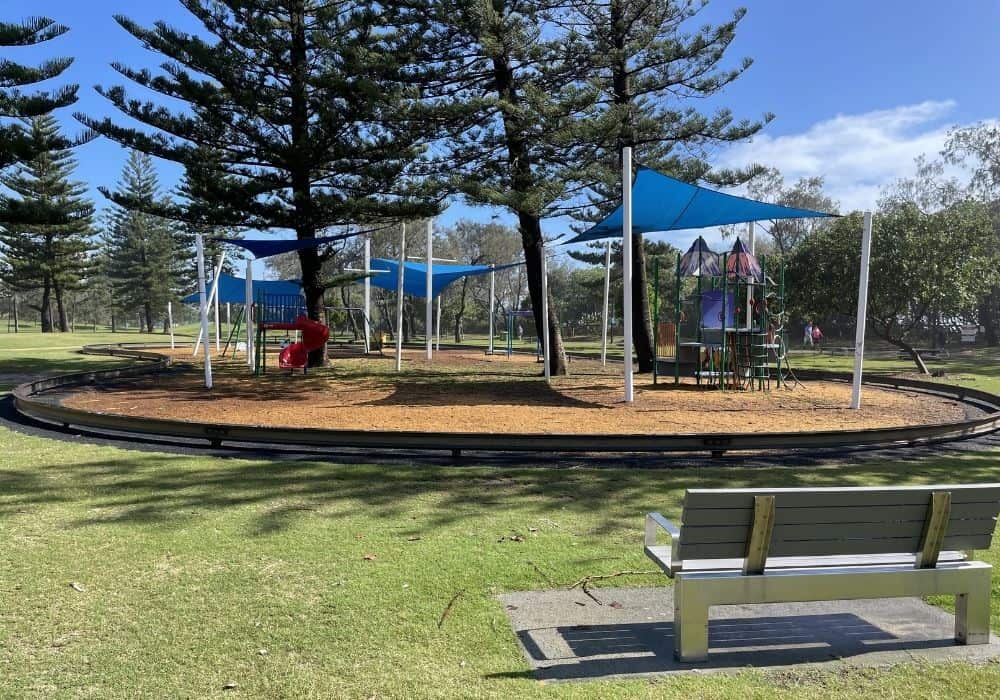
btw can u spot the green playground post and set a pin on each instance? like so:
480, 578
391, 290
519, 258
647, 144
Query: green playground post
725, 292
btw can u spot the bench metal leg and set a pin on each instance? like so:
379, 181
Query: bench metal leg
690, 622
972, 613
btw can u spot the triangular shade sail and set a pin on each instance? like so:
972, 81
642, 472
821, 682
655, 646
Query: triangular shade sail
266, 248
663, 203
700, 261
415, 275
232, 290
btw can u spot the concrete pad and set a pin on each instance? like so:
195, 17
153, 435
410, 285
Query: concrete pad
566, 635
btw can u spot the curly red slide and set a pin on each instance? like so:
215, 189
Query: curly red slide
314, 336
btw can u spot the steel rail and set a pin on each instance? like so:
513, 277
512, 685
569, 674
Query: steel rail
30, 402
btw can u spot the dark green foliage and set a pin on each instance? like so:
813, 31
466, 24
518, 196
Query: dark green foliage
923, 267
143, 259
649, 66
50, 257
295, 117
511, 90
18, 103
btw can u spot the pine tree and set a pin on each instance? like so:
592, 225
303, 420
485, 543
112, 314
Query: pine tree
295, 118
140, 249
510, 89
16, 143
650, 70
186, 231
48, 256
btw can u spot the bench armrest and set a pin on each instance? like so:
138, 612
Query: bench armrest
655, 520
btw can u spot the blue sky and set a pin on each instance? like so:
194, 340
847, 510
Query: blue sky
859, 87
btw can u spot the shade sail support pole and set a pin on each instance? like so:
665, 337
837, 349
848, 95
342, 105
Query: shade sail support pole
438, 328
368, 291
607, 299
627, 269
203, 335
203, 307
248, 309
493, 304
170, 323
399, 299
859, 333
429, 313
545, 314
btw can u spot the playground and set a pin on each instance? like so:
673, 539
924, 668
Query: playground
468, 391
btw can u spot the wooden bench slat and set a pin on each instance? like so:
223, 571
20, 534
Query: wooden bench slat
853, 496
776, 563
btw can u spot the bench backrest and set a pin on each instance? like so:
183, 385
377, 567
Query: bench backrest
733, 523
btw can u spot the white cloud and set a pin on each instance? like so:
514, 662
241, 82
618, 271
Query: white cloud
857, 154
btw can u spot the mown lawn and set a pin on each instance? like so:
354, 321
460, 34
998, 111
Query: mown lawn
136, 574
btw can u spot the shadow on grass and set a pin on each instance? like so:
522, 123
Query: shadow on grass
176, 490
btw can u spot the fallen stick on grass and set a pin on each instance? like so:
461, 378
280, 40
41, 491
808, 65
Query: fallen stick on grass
584, 583
447, 609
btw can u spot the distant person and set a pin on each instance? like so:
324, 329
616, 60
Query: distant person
520, 332
817, 335
807, 334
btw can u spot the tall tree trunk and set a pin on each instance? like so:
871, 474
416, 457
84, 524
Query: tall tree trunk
522, 181
63, 321
13, 301
914, 355
147, 316
531, 239
988, 316
642, 334
345, 297
460, 314
114, 328
300, 184
45, 308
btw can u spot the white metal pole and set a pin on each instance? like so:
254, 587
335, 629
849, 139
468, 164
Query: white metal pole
218, 319
752, 242
493, 304
170, 322
429, 312
545, 314
399, 300
203, 307
248, 310
627, 268
438, 334
607, 292
368, 290
211, 302
859, 334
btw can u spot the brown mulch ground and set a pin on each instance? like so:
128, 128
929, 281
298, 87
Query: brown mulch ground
466, 391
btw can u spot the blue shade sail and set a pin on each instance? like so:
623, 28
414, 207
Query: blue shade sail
415, 275
663, 203
265, 249
232, 290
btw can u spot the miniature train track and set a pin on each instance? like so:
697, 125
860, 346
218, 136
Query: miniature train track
30, 401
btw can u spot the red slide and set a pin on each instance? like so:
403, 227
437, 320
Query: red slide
314, 336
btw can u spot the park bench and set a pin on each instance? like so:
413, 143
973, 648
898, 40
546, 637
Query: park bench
744, 546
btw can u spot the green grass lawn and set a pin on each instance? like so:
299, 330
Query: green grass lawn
305, 579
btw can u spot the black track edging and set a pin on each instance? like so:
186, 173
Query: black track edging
28, 401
